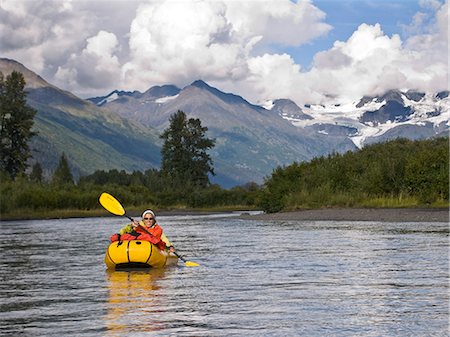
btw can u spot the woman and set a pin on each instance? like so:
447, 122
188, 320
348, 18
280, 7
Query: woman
147, 229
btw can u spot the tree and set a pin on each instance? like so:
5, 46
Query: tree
16, 121
62, 175
185, 160
36, 173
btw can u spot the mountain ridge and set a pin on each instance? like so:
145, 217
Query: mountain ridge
251, 140
122, 129
91, 138
372, 116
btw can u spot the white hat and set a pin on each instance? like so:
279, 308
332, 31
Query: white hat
149, 211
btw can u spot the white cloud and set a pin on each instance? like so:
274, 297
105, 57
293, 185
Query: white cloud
96, 66
278, 22
181, 41
91, 47
370, 63
42, 34
178, 42
355, 67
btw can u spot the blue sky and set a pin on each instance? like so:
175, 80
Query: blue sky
309, 51
346, 15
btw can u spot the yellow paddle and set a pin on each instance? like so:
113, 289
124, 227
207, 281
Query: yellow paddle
113, 206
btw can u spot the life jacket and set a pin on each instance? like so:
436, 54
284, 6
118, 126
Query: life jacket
154, 236
140, 234
155, 230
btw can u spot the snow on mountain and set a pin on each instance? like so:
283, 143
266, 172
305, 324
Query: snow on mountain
396, 113
109, 98
250, 140
112, 96
374, 117
166, 99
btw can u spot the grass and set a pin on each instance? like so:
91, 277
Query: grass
322, 199
27, 214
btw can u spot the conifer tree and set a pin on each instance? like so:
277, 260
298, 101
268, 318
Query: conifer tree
16, 121
185, 160
36, 173
62, 174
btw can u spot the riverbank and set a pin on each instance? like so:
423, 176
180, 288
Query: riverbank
359, 214
328, 214
134, 212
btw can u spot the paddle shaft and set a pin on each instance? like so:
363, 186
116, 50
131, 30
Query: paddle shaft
179, 256
145, 230
176, 254
139, 225
188, 263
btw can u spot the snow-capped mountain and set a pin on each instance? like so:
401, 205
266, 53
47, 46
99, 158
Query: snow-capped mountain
409, 114
396, 114
112, 96
251, 140
158, 94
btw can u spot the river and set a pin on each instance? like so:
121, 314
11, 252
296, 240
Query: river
256, 278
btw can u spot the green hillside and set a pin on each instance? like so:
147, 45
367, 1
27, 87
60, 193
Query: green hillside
92, 139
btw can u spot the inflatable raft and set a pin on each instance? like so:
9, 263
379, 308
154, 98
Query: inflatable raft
137, 254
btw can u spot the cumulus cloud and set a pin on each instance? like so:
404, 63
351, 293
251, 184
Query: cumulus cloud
370, 63
362, 60
91, 47
96, 66
42, 34
278, 22
178, 41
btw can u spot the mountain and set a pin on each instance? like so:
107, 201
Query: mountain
112, 96
121, 96
91, 138
121, 130
288, 110
250, 140
395, 114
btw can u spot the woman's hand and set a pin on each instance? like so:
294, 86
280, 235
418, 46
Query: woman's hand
135, 224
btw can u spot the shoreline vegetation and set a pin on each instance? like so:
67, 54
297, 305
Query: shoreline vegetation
399, 175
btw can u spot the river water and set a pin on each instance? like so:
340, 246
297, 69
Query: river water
256, 278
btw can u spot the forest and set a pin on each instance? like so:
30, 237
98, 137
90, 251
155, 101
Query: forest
399, 173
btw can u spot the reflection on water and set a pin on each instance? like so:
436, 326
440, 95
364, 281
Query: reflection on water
131, 294
280, 278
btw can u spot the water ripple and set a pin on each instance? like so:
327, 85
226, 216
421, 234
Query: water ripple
255, 278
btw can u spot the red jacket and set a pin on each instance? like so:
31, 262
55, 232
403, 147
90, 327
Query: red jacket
155, 231
143, 234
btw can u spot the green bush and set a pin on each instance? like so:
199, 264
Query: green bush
393, 174
417, 169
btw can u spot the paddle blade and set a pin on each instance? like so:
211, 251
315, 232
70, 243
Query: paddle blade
191, 264
111, 204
